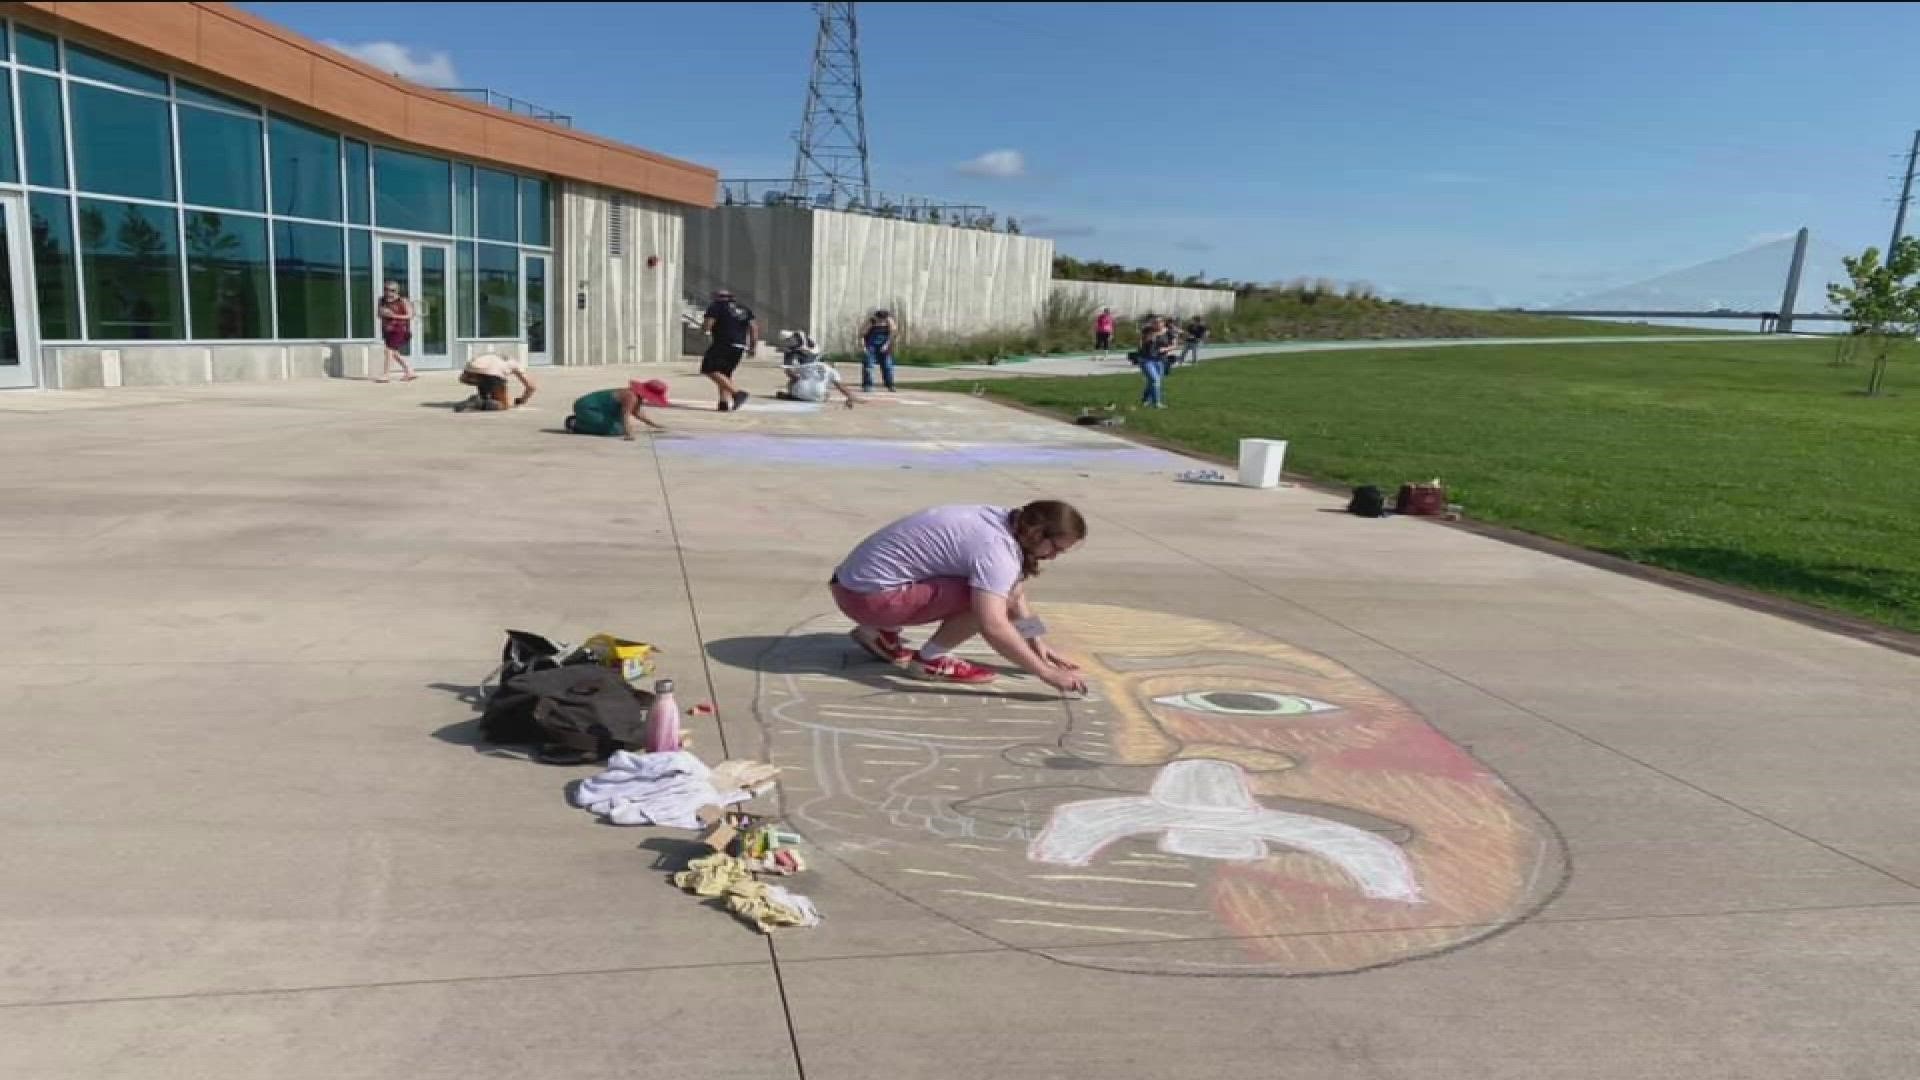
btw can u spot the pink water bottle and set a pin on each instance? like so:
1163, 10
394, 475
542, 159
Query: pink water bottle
663, 719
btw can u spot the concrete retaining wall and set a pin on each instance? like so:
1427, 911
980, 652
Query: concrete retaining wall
824, 271
1135, 300
939, 281
763, 253
616, 306
77, 367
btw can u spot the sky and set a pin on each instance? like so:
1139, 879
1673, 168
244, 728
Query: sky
1471, 154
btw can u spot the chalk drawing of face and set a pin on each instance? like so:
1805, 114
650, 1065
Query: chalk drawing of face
1221, 804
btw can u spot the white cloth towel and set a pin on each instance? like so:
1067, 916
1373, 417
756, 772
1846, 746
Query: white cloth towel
652, 789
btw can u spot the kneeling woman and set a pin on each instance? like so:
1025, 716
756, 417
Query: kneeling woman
610, 412
964, 567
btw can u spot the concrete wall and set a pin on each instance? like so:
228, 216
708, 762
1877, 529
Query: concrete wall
763, 253
76, 367
825, 271
938, 280
80, 367
1128, 300
631, 310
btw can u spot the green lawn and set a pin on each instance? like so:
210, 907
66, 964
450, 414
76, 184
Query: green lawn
1756, 464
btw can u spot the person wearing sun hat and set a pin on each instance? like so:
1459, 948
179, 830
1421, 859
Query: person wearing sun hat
612, 412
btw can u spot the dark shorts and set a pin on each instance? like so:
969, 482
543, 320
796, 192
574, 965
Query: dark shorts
397, 337
721, 358
1103, 340
491, 387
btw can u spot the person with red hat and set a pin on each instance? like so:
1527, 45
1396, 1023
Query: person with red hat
612, 412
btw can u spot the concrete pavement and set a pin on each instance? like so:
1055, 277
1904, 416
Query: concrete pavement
1525, 818
1086, 364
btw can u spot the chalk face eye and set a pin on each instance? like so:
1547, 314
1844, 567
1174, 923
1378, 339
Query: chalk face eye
1244, 703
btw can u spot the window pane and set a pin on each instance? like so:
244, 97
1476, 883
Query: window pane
9, 165
200, 95
536, 269
227, 288
88, 64
358, 211
499, 205
432, 301
53, 273
3, 40
360, 281
122, 144
467, 311
463, 200
220, 160
310, 272
36, 48
536, 211
45, 121
306, 171
412, 192
499, 291
131, 257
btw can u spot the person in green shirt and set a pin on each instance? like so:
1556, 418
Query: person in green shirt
609, 412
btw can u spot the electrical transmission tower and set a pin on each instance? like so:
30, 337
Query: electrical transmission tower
832, 158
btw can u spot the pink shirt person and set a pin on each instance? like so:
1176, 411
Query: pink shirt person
964, 567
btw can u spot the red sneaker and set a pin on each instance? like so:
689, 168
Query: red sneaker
883, 645
952, 669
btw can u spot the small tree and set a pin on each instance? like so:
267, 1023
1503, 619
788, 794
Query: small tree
1881, 302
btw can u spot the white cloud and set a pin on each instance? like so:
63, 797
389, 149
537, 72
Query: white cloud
996, 164
414, 65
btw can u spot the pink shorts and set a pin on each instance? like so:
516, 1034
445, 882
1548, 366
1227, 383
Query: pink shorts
930, 601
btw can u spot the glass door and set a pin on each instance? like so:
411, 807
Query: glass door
534, 310
17, 351
422, 269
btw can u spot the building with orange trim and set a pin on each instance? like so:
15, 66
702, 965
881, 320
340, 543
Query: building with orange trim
191, 194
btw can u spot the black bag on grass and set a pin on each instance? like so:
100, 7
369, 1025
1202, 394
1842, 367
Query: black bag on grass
573, 714
1368, 501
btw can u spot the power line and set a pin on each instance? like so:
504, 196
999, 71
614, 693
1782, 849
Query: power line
1906, 196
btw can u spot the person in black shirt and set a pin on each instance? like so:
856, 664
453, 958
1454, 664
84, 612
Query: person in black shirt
1196, 333
732, 331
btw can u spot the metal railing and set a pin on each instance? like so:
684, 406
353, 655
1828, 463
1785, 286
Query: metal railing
511, 104
812, 196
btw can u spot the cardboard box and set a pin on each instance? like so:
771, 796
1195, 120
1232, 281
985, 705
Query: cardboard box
632, 659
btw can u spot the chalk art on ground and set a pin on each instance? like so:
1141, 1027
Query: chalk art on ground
1222, 804
896, 454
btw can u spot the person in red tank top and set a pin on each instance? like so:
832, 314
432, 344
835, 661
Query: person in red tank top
396, 330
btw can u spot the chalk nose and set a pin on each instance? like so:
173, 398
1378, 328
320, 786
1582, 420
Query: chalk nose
1202, 784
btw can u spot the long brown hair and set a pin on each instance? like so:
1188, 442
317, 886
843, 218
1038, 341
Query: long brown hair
1038, 522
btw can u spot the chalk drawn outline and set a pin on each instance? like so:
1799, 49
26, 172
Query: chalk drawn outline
766, 717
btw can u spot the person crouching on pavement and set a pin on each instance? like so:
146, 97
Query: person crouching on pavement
611, 412
488, 374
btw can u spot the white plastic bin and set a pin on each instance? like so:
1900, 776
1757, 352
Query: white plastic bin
1260, 461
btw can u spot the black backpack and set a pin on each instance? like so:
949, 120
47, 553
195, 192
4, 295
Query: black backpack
574, 714
1368, 501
